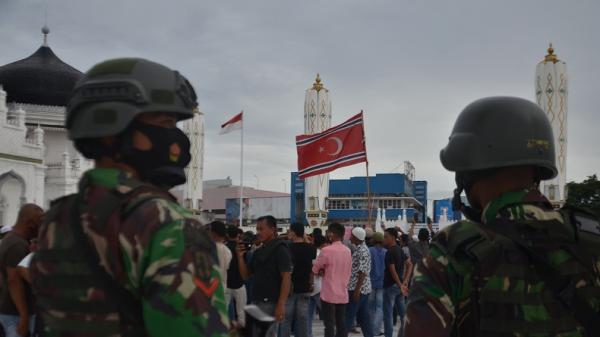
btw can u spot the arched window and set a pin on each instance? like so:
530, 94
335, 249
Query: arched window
12, 196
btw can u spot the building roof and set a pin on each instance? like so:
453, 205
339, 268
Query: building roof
41, 79
214, 198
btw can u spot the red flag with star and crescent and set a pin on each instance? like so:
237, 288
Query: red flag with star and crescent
339, 146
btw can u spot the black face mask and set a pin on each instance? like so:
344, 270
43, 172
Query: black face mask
163, 164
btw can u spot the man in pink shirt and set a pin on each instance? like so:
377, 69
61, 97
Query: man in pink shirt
335, 264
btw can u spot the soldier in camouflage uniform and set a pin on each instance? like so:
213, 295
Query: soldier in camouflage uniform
122, 258
516, 267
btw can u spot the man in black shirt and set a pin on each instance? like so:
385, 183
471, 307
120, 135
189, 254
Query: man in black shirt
296, 311
271, 268
16, 299
235, 282
398, 268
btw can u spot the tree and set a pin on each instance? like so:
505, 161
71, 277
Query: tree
585, 194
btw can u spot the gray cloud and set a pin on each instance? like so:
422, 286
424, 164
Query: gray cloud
412, 66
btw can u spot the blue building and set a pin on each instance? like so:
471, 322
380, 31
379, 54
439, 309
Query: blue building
347, 202
445, 205
420, 193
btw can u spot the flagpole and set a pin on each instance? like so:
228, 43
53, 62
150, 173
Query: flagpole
242, 171
369, 201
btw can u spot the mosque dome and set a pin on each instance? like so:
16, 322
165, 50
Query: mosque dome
42, 78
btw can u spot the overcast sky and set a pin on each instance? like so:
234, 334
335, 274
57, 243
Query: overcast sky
410, 65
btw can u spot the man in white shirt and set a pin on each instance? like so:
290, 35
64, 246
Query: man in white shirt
218, 231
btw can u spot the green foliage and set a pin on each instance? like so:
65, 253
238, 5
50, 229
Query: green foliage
585, 194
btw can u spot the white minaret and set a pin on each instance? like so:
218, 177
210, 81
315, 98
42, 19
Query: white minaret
317, 118
192, 189
551, 89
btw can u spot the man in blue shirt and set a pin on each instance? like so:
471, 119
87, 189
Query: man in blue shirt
377, 270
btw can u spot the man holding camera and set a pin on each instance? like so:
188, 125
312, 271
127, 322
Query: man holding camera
271, 268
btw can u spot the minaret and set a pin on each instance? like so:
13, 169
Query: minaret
192, 189
317, 118
551, 89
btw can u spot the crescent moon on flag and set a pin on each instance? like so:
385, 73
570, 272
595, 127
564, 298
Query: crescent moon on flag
340, 145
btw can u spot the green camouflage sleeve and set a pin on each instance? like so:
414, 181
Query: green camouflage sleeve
175, 268
430, 310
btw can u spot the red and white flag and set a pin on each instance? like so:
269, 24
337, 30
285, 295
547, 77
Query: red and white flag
233, 124
339, 146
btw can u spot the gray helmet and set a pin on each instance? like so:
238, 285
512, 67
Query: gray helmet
111, 94
500, 132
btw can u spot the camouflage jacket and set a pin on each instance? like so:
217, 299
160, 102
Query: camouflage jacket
442, 296
152, 247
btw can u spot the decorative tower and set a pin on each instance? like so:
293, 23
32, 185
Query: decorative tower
317, 118
3, 108
192, 189
551, 86
38, 136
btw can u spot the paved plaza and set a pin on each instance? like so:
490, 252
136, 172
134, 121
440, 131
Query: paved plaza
319, 330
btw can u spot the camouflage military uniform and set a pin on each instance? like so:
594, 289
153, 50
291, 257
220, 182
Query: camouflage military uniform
517, 302
156, 251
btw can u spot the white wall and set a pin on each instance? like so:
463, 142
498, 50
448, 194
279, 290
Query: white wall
19, 183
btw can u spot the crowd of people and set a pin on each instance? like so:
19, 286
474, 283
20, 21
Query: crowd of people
122, 258
348, 280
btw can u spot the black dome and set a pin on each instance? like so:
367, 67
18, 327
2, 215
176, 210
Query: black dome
41, 78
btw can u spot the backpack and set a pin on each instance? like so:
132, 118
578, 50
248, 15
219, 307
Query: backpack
509, 250
76, 268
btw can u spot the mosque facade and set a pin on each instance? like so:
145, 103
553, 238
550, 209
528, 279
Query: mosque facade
37, 161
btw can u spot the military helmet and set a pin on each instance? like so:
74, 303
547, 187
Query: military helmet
111, 94
498, 132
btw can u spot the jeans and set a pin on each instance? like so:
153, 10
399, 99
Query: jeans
296, 315
389, 299
269, 309
401, 303
239, 296
401, 309
376, 307
334, 319
313, 304
359, 309
10, 322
